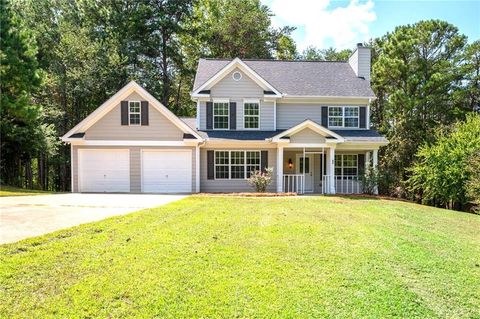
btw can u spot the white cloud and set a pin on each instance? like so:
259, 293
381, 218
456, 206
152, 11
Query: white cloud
322, 27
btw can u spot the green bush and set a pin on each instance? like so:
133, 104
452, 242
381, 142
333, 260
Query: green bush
260, 180
442, 176
370, 180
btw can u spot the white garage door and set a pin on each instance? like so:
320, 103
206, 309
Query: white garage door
104, 170
166, 171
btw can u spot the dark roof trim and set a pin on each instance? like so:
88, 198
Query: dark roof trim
189, 136
269, 93
77, 135
204, 92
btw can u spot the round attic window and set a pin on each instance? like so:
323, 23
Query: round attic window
237, 76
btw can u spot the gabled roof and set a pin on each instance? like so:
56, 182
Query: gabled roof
226, 69
296, 78
311, 125
108, 105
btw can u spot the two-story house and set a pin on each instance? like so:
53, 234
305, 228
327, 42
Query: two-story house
307, 120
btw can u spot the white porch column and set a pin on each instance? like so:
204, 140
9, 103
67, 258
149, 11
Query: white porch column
280, 169
367, 159
331, 169
375, 164
197, 169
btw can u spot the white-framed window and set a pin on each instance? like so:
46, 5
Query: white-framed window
346, 165
134, 113
236, 164
251, 115
221, 115
343, 116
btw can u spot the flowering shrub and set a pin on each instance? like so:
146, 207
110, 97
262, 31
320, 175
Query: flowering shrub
260, 180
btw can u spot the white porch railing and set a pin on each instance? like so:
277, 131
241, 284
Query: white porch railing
293, 183
345, 184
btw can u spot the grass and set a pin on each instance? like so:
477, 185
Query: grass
16, 191
226, 257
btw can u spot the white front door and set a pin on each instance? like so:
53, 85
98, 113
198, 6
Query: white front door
103, 170
166, 171
308, 170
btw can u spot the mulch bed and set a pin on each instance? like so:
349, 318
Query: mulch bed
249, 194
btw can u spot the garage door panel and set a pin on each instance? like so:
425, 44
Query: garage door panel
166, 171
104, 170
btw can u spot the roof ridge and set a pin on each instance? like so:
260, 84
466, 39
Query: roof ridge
272, 60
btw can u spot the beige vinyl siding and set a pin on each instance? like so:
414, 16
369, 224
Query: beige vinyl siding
109, 127
290, 114
135, 163
234, 185
238, 91
307, 136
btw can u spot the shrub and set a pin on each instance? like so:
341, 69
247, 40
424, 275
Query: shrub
370, 180
260, 180
442, 173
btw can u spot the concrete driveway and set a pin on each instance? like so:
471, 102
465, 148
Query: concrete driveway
28, 216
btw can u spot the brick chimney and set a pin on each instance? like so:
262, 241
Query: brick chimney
360, 61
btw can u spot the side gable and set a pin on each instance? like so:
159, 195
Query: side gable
111, 105
235, 64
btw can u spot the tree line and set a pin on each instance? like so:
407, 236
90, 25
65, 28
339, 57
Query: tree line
60, 59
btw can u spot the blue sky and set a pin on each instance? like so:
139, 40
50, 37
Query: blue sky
343, 23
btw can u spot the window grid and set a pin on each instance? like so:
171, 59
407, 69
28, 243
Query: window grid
343, 116
134, 113
221, 112
346, 165
236, 164
251, 115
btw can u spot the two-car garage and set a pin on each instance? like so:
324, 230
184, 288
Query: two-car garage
135, 170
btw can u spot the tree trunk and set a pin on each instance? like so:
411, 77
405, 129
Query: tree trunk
165, 77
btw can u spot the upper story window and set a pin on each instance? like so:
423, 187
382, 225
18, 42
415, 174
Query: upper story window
134, 113
343, 116
220, 115
251, 115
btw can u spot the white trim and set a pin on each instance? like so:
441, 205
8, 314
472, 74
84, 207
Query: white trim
71, 169
227, 69
251, 101
287, 96
139, 113
308, 145
197, 169
134, 143
197, 119
310, 124
108, 105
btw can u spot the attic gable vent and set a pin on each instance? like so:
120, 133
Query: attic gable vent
237, 76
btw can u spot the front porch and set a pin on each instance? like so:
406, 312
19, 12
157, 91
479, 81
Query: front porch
322, 170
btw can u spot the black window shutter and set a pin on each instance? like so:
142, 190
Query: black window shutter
363, 117
263, 160
124, 112
361, 164
144, 112
325, 116
233, 115
209, 115
210, 165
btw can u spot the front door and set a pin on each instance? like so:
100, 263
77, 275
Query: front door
308, 170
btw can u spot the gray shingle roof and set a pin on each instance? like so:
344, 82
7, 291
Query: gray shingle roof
349, 135
306, 78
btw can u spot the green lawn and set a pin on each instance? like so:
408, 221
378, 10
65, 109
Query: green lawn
227, 257
16, 191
